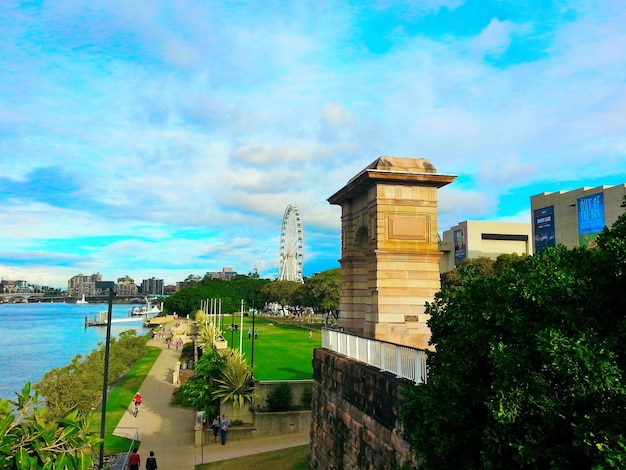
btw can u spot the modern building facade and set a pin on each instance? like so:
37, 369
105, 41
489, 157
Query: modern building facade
126, 287
574, 218
226, 274
476, 238
152, 286
80, 285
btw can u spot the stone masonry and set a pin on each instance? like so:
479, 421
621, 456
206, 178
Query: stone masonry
355, 421
389, 253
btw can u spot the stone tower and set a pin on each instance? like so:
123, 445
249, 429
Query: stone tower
389, 251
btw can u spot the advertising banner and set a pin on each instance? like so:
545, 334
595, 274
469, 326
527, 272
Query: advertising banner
459, 245
590, 218
544, 228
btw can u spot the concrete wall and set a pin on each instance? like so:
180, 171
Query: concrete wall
283, 422
355, 417
265, 387
265, 424
485, 238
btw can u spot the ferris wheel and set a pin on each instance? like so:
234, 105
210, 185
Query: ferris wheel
291, 245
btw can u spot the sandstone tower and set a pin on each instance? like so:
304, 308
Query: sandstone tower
389, 250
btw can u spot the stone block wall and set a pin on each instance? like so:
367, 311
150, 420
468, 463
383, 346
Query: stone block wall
355, 422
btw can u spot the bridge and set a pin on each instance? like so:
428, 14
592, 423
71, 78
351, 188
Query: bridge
23, 297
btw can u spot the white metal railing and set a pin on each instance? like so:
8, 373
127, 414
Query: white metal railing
403, 361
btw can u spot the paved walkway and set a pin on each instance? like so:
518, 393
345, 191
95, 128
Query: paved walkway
166, 430
169, 431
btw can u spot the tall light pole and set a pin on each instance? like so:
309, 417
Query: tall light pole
253, 332
105, 381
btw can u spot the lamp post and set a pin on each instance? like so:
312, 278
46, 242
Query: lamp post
253, 331
232, 328
105, 381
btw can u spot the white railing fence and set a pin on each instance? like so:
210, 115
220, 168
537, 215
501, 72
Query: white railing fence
403, 361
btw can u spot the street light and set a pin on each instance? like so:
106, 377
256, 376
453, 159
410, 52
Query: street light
253, 332
105, 381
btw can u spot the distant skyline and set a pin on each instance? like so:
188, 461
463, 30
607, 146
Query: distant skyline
161, 139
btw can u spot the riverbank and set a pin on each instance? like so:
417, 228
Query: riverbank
39, 337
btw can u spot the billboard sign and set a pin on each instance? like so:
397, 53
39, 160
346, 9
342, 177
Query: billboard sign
460, 251
544, 228
590, 218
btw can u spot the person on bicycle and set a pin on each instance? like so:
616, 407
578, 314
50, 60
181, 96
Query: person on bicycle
137, 401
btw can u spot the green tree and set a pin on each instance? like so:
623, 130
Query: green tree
78, 386
284, 292
322, 291
28, 440
529, 365
189, 300
199, 390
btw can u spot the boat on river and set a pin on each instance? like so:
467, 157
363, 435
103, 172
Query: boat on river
82, 301
145, 310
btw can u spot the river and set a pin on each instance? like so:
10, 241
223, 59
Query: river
38, 337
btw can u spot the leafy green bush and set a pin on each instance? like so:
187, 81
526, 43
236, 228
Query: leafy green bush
78, 386
529, 365
307, 397
281, 398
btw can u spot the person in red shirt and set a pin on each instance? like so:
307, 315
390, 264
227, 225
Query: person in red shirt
134, 461
137, 398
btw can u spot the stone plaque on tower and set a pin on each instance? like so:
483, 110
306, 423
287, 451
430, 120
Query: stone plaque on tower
389, 249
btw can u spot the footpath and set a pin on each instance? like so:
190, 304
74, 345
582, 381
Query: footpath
169, 431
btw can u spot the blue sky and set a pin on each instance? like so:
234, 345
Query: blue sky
156, 138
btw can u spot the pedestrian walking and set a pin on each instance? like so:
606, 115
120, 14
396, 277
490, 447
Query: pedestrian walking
215, 425
151, 463
134, 460
249, 333
223, 429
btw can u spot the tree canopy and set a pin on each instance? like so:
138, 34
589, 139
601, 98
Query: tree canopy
321, 292
529, 364
189, 299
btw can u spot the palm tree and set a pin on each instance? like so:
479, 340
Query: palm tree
206, 336
236, 382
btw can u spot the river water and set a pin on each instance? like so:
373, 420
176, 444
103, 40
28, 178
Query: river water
38, 337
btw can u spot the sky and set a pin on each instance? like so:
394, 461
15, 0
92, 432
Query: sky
153, 138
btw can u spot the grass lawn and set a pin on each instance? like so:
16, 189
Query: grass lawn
119, 400
282, 351
293, 458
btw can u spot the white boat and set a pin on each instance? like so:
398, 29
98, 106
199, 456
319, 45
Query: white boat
145, 310
82, 301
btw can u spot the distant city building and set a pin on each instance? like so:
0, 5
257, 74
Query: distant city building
152, 286
15, 287
126, 287
574, 218
80, 285
226, 274
170, 289
474, 238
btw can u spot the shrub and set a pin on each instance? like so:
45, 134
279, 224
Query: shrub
281, 398
307, 397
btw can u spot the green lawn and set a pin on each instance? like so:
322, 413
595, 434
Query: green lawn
282, 351
293, 458
119, 400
